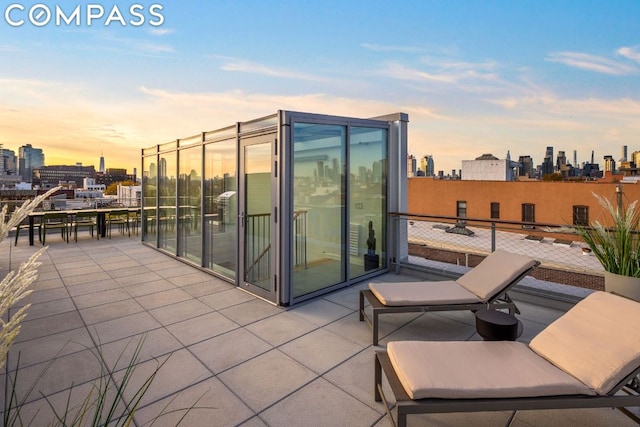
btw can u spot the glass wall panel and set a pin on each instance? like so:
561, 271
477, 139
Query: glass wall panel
192, 140
258, 203
168, 146
150, 186
220, 214
260, 123
368, 199
319, 207
167, 198
220, 134
189, 199
150, 150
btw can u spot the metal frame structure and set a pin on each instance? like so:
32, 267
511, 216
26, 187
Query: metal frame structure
281, 259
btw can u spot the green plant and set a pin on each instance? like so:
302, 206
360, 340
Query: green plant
616, 244
104, 405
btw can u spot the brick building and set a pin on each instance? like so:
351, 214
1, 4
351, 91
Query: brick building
561, 203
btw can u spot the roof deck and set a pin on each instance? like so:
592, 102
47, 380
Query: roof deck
238, 359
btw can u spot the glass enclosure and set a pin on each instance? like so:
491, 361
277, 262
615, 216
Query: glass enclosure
287, 206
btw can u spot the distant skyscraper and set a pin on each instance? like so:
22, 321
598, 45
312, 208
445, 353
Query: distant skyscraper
547, 163
29, 158
8, 164
561, 161
526, 166
609, 164
412, 165
101, 169
624, 154
575, 158
427, 165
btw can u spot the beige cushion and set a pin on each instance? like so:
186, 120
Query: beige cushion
422, 293
597, 341
494, 273
477, 369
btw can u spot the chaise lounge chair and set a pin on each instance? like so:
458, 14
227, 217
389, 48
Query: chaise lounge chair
483, 287
588, 358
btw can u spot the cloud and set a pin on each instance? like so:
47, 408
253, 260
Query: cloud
622, 107
153, 48
237, 105
401, 72
381, 48
630, 53
160, 31
242, 66
8, 48
466, 74
130, 45
598, 64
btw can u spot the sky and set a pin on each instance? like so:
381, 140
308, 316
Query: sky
474, 77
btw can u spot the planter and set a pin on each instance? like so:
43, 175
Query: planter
622, 285
371, 262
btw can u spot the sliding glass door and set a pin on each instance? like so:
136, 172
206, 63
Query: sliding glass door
319, 240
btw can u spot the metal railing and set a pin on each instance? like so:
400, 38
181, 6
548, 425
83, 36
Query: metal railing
564, 258
258, 244
300, 239
257, 247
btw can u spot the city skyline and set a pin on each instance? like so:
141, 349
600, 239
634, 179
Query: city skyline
70, 162
569, 155
474, 78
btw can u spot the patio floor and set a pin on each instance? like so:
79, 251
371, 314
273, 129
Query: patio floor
236, 358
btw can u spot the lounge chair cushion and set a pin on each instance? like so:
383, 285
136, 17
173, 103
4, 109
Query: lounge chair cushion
495, 273
477, 369
422, 293
597, 341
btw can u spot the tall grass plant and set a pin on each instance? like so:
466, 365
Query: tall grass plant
616, 243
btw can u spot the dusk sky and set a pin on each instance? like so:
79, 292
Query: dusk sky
474, 77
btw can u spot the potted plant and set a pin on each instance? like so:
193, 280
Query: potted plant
616, 244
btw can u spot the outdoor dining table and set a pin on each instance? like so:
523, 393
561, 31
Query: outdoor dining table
101, 215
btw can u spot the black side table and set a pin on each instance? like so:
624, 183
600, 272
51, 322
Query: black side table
494, 325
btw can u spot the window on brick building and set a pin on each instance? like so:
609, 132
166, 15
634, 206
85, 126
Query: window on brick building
495, 210
581, 215
461, 209
528, 212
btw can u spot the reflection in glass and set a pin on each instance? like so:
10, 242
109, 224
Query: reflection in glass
367, 204
257, 216
189, 209
318, 204
220, 216
167, 198
150, 213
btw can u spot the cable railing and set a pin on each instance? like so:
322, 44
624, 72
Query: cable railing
564, 258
